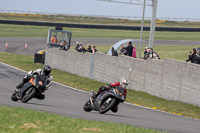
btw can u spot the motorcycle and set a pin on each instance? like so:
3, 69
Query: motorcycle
32, 89
105, 101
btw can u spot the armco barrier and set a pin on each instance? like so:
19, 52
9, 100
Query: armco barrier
99, 26
169, 79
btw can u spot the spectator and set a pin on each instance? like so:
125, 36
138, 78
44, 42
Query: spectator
129, 49
197, 57
89, 49
191, 55
63, 46
145, 51
134, 52
123, 50
114, 52
82, 49
94, 50
54, 39
150, 53
77, 47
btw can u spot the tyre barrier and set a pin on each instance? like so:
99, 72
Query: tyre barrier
99, 26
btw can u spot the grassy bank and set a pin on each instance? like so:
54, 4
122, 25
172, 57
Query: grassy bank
25, 62
41, 31
19, 120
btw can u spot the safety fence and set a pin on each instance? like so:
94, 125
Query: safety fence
169, 79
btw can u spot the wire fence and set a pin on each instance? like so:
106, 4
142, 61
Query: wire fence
102, 19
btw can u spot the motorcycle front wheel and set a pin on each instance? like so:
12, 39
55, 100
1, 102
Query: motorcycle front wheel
29, 94
105, 107
87, 106
13, 96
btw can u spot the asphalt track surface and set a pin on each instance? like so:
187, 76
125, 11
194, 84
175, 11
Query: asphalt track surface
64, 100
17, 44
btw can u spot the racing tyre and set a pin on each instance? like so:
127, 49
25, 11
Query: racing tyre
105, 107
13, 96
87, 106
29, 94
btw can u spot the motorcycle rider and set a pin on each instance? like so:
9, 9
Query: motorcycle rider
46, 72
122, 84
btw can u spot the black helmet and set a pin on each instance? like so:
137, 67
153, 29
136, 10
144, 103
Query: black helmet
46, 70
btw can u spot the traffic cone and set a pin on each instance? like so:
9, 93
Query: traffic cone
26, 45
6, 45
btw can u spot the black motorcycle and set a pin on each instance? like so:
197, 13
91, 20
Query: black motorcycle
105, 101
32, 89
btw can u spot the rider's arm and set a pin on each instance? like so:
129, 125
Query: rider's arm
125, 92
114, 84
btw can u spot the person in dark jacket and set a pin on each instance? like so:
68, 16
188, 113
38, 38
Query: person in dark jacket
191, 55
129, 49
197, 58
89, 49
114, 52
123, 50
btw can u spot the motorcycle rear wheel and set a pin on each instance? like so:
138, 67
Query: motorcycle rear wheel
29, 94
87, 106
105, 107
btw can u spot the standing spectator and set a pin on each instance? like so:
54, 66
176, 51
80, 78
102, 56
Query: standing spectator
114, 52
94, 50
77, 47
54, 39
129, 49
89, 49
134, 52
123, 50
191, 55
197, 57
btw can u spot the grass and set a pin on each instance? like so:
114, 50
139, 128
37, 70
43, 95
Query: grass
15, 120
41, 31
25, 62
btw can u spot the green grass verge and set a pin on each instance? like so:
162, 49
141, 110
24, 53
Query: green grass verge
19, 120
25, 62
41, 31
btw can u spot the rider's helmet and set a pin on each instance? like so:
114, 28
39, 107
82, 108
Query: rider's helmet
46, 70
124, 82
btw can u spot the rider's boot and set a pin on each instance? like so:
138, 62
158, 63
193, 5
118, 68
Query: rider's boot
41, 97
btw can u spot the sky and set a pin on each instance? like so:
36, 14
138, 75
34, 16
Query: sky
166, 8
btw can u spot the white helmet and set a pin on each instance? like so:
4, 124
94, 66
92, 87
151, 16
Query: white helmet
124, 82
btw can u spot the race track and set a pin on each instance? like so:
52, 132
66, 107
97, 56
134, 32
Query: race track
65, 101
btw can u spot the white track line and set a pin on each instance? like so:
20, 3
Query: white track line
88, 92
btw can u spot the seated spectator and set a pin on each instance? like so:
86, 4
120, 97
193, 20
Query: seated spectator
63, 46
89, 49
77, 47
191, 55
197, 57
82, 49
114, 52
94, 50
123, 50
